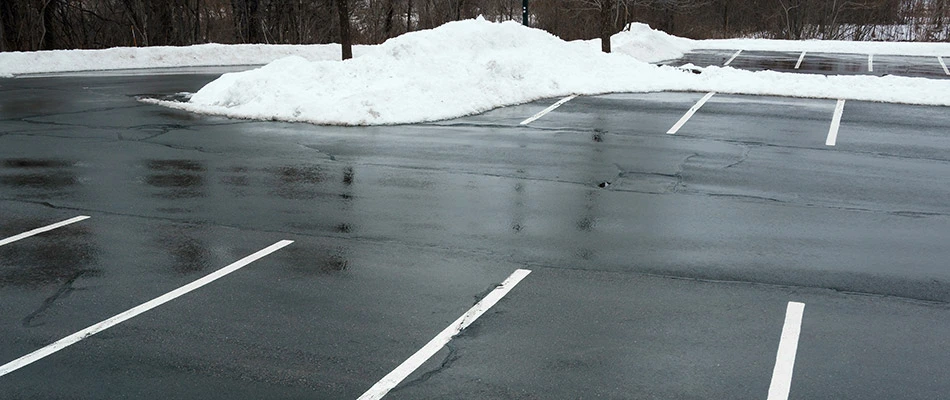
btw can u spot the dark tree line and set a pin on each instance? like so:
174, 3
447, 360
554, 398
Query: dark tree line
59, 24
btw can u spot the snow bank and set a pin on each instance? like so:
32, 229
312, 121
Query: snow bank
469, 67
36, 62
650, 45
891, 89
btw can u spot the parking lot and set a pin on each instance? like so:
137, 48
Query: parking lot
821, 63
671, 238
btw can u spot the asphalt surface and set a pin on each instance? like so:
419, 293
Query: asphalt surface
670, 283
819, 63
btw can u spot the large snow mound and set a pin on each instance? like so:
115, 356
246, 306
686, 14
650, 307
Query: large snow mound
457, 69
39, 62
469, 67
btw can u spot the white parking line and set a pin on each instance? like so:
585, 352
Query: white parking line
119, 318
416, 360
46, 228
800, 59
870, 62
943, 64
549, 109
835, 124
689, 114
787, 347
733, 58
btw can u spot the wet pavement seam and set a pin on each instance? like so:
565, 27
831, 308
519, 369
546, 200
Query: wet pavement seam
730, 141
327, 235
78, 112
535, 266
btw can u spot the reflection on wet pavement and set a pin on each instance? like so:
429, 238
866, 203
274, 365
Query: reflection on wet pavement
38, 178
59, 258
190, 254
315, 260
176, 179
818, 63
298, 181
47, 259
35, 163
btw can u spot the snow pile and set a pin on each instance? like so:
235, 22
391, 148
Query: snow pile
460, 68
647, 44
469, 67
17, 63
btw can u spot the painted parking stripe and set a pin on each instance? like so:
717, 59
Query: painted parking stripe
689, 114
46, 228
416, 360
119, 318
732, 59
549, 109
800, 59
787, 347
943, 64
835, 124
870, 62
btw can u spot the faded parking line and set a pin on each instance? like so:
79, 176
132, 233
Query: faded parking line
689, 114
119, 318
835, 124
549, 109
732, 59
46, 228
416, 360
800, 59
943, 64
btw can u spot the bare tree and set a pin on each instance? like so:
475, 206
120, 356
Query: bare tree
345, 40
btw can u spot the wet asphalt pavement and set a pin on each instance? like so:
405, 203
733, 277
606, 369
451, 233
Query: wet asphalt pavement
820, 63
670, 283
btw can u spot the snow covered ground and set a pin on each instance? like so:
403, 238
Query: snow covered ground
473, 66
57, 61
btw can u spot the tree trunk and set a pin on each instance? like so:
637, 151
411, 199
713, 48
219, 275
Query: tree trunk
408, 15
606, 28
196, 36
3, 28
342, 9
390, 14
49, 37
245, 20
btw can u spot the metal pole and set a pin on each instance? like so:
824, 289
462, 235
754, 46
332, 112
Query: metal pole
524, 12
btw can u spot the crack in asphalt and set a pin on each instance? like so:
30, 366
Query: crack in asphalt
446, 363
63, 291
679, 172
742, 159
